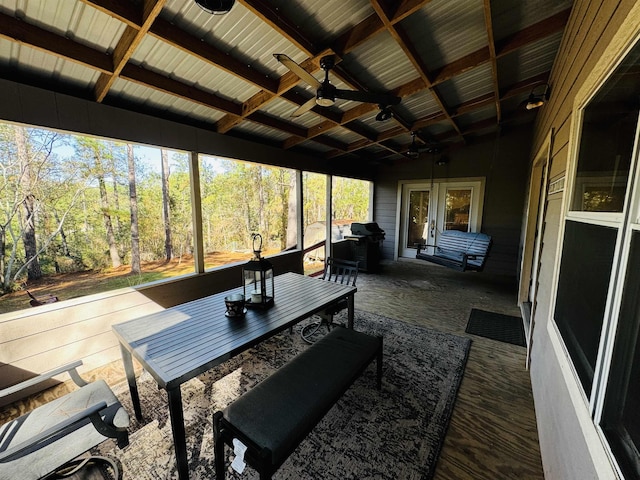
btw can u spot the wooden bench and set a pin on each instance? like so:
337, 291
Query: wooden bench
273, 417
458, 250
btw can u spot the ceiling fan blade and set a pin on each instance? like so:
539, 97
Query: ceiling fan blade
305, 107
368, 97
297, 69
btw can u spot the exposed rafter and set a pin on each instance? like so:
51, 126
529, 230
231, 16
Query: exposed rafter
145, 19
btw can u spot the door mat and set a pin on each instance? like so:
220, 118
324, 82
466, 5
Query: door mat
496, 326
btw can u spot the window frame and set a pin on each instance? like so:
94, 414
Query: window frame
589, 410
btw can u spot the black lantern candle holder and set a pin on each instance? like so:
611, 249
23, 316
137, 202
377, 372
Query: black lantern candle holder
257, 275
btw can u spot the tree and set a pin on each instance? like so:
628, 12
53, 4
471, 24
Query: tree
166, 207
29, 201
133, 206
94, 151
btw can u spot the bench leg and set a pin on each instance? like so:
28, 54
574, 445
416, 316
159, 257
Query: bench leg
218, 447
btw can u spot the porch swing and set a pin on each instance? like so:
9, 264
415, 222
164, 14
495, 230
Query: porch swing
455, 249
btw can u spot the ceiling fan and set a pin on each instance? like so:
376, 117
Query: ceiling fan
415, 150
326, 93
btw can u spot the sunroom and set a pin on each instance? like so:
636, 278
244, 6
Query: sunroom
442, 115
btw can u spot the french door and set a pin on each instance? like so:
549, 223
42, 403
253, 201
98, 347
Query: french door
419, 218
429, 209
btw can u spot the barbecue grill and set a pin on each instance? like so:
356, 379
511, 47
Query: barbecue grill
366, 245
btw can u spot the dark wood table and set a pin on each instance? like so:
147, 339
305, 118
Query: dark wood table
181, 342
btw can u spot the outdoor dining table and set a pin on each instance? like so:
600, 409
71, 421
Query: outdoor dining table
181, 342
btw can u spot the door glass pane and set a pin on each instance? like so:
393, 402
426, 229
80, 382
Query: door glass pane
457, 208
606, 143
418, 224
587, 258
621, 417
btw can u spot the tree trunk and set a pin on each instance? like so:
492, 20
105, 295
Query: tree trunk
3, 252
63, 237
133, 204
292, 214
34, 272
166, 211
108, 224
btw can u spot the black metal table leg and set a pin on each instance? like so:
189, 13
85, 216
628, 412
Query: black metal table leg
127, 360
351, 307
177, 428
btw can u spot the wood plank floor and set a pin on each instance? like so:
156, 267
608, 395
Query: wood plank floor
493, 433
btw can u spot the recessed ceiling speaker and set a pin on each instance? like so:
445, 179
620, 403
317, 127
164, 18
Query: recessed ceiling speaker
216, 7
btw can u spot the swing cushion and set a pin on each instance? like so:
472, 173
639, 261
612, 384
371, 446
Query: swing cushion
459, 250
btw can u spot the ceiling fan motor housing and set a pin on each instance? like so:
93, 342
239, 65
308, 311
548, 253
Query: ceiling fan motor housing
326, 94
216, 7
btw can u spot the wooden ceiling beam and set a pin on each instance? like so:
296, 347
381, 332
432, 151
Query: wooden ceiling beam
192, 45
488, 20
533, 33
129, 41
150, 79
273, 122
24, 33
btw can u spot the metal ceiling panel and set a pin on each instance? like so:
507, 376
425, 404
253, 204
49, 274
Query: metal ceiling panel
239, 33
469, 119
444, 30
174, 63
344, 135
71, 19
380, 64
153, 99
278, 107
49, 69
419, 105
510, 17
369, 121
322, 20
529, 61
441, 32
467, 86
255, 129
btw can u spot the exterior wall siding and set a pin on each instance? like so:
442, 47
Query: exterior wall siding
570, 445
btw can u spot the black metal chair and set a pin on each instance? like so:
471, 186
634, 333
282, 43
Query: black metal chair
52, 437
338, 271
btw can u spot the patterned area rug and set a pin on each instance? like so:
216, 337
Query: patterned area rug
395, 433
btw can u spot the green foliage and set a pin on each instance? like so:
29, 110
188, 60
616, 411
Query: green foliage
81, 186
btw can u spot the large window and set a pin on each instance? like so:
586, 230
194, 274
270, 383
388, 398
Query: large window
82, 215
597, 308
241, 198
350, 202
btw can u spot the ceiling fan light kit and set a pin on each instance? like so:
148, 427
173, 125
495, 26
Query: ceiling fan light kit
216, 7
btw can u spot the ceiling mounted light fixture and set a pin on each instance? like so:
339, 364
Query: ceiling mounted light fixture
216, 7
384, 114
536, 100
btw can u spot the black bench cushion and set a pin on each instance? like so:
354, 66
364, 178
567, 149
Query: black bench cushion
280, 411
